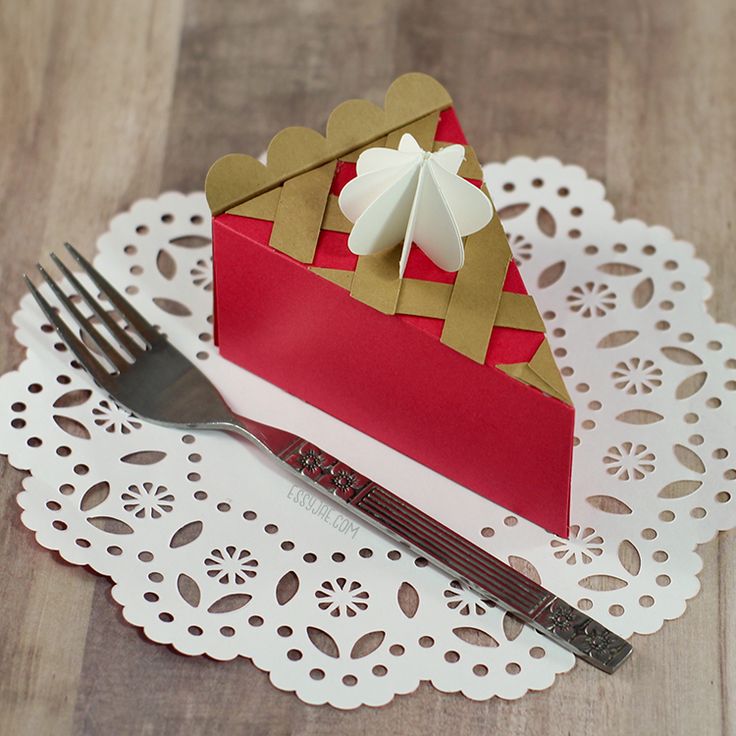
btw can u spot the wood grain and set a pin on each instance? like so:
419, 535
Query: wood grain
103, 103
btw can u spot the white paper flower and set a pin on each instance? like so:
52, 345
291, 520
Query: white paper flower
412, 195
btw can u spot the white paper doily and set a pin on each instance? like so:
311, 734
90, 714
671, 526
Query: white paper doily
215, 552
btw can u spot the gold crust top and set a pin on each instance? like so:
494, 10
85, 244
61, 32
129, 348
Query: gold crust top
237, 177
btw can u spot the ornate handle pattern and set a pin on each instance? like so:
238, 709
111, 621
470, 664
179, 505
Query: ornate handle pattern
454, 554
582, 635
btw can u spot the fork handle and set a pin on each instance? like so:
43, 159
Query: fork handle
447, 550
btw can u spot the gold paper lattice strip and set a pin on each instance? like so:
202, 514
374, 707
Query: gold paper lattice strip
471, 313
432, 298
262, 207
423, 131
540, 372
300, 211
377, 281
334, 219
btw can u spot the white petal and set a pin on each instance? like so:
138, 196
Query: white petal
383, 223
360, 193
408, 144
450, 157
470, 207
435, 231
374, 159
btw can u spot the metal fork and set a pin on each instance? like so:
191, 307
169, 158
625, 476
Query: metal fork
153, 380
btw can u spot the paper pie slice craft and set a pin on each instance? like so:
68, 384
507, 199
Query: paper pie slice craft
366, 272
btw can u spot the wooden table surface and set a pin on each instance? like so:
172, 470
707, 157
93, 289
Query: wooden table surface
105, 102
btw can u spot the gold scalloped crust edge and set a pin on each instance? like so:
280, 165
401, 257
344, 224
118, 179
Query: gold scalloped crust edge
237, 178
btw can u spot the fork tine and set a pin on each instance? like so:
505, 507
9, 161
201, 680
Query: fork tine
132, 348
136, 320
107, 350
80, 350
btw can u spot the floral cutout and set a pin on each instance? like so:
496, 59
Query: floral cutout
637, 376
591, 299
202, 274
461, 599
145, 500
134, 584
629, 462
113, 418
521, 248
230, 565
581, 546
342, 597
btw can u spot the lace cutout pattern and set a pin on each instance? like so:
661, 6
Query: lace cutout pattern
213, 550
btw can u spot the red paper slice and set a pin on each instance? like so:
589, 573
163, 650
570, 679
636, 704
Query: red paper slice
389, 375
